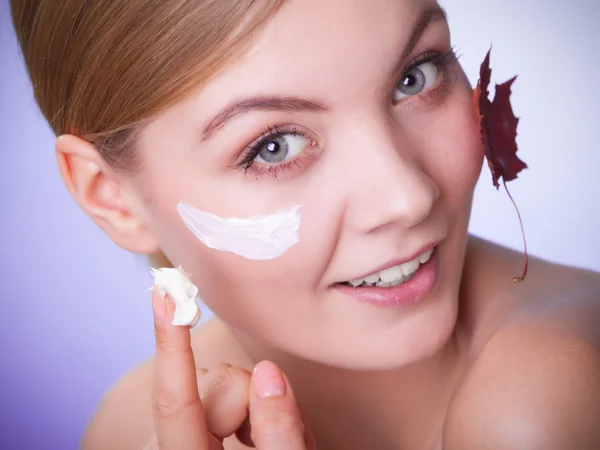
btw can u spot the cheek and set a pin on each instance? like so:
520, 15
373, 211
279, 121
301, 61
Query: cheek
270, 287
248, 293
455, 154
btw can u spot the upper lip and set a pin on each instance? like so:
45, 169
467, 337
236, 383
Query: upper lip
397, 262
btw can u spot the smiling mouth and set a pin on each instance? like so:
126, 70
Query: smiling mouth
392, 276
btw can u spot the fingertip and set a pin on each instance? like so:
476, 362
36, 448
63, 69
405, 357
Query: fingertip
275, 417
268, 380
168, 336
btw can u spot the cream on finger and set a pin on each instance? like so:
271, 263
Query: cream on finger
176, 283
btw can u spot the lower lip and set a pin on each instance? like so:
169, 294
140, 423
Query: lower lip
404, 294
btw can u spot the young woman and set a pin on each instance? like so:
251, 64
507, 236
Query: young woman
381, 324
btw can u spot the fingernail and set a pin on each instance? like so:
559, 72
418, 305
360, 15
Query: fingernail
268, 380
159, 306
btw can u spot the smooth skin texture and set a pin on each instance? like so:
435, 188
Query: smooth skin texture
479, 363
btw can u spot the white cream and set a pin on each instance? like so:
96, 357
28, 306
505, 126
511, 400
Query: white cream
256, 238
175, 282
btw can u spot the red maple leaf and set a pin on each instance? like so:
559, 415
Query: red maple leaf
498, 126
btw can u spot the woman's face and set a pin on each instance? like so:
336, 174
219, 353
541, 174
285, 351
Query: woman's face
368, 124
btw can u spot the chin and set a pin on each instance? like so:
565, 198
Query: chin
410, 338
425, 338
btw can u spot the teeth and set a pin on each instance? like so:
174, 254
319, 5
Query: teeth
410, 267
390, 284
394, 275
372, 279
425, 256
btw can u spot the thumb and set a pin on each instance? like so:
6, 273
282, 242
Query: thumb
275, 417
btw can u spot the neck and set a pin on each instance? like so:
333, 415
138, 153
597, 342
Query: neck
401, 408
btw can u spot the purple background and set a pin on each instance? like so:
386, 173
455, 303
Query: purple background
77, 315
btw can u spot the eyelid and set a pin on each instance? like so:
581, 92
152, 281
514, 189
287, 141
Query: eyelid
443, 61
442, 57
428, 56
287, 168
420, 60
251, 150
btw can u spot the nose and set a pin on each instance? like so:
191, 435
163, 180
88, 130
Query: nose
389, 185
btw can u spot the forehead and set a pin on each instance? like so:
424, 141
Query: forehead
309, 43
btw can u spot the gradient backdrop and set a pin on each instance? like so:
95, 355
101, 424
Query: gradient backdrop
77, 312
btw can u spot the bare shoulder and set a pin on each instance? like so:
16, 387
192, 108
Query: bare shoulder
568, 297
534, 386
124, 419
535, 383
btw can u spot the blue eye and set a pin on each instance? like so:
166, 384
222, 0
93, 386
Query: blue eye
281, 147
418, 79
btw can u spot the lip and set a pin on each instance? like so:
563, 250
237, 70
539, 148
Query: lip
404, 294
397, 262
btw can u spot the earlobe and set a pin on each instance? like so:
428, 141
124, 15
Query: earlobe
98, 191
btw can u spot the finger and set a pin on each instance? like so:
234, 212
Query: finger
309, 437
224, 394
274, 414
178, 414
244, 433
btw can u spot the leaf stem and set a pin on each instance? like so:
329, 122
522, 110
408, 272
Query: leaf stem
526, 265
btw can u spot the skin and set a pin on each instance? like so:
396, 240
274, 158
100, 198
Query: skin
478, 363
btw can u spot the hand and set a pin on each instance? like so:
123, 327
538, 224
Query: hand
233, 398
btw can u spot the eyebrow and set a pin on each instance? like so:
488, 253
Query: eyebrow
427, 17
261, 103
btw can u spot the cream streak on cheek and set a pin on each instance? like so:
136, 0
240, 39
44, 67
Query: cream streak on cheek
257, 238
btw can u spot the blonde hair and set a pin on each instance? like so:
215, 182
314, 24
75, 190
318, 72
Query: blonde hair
101, 69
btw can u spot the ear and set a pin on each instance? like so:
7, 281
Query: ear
102, 194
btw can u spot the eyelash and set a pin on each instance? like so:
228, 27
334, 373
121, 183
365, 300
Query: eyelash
249, 155
246, 161
443, 61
